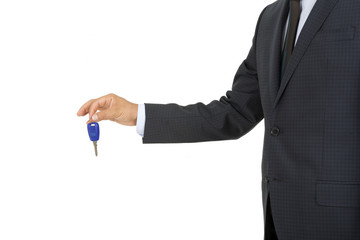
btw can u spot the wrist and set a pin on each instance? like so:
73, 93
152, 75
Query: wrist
134, 115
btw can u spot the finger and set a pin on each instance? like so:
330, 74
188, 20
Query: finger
99, 116
99, 104
85, 108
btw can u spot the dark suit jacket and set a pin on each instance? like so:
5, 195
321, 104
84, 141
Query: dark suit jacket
311, 155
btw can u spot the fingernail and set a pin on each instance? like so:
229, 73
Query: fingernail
95, 117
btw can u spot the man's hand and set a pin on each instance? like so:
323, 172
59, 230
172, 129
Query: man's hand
110, 107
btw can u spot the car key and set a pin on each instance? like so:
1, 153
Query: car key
94, 134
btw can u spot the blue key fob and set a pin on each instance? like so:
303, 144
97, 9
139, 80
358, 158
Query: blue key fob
94, 131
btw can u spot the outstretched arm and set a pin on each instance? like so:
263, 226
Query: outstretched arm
230, 117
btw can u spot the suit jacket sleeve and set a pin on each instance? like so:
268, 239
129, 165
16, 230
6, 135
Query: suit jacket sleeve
230, 117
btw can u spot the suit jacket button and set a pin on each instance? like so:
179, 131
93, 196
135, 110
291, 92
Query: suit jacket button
275, 131
266, 179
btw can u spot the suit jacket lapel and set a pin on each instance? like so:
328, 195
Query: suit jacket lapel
319, 13
278, 18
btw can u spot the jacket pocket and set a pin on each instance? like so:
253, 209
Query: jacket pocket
338, 194
339, 34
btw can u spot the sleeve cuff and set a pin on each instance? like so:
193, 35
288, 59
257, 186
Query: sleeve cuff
140, 121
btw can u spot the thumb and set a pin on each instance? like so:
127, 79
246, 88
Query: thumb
99, 116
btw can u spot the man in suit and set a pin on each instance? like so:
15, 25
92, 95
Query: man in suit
302, 76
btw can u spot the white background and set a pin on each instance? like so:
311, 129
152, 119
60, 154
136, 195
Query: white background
55, 55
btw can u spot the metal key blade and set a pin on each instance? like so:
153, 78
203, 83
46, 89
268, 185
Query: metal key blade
95, 147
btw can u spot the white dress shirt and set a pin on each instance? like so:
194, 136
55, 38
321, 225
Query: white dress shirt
306, 7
